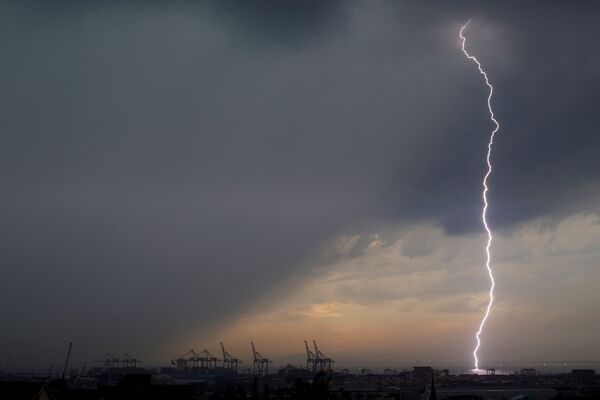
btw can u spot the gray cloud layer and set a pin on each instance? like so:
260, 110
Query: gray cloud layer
165, 165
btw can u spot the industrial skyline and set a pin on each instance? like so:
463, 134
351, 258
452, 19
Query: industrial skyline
312, 361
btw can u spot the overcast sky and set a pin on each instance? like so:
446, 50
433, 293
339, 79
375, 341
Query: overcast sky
177, 173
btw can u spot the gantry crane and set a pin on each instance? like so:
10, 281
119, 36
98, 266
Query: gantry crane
186, 361
229, 361
191, 359
261, 364
322, 363
128, 361
206, 360
110, 361
310, 359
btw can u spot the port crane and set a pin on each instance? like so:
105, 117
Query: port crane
187, 360
261, 364
229, 361
322, 363
128, 361
206, 360
310, 359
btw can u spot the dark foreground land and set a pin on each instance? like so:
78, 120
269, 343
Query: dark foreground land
298, 383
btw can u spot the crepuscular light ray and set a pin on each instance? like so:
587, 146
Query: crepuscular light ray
485, 191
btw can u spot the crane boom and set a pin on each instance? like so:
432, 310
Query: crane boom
224, 352
67, 360
253, 351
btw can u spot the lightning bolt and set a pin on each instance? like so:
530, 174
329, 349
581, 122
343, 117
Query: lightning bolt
485, 191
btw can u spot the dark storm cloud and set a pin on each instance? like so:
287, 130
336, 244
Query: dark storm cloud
280, 21
546, 97
165, 165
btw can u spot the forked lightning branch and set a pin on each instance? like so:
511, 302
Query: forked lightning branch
484, 193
